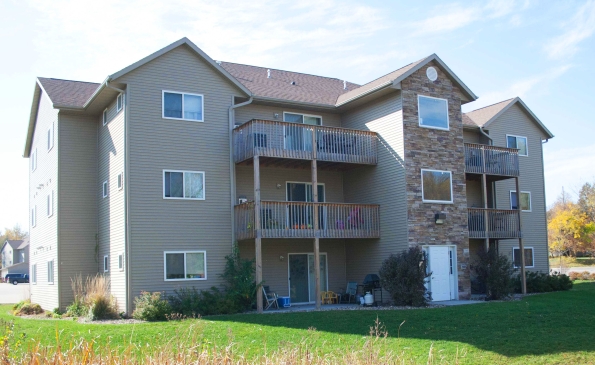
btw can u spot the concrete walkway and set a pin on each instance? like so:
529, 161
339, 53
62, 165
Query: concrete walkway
458, 302
579, 269
330, 307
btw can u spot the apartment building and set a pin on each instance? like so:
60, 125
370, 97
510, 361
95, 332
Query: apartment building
152, 176
15, 257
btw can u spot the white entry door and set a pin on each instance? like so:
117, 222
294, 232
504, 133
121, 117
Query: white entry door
441, 268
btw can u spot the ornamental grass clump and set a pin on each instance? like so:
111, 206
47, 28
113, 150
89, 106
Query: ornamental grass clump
404, 276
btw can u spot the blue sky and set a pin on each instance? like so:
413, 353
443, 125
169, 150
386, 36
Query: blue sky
541, 51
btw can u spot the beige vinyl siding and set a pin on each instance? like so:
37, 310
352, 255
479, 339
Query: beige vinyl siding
111, 231
256, 111
474, 194
471, 136
155, 144
44, 236
275, 271
270, 177
516, 122
78, 201
383, 184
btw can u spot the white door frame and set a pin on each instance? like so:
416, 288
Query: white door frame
288, 273
454, 282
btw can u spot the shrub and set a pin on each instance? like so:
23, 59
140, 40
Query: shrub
495, 271
190, 302
20, 304
585, 275
573, 275
151, 307
404, 275
592, 276
538, 282
240, 283
98, 299
28, 309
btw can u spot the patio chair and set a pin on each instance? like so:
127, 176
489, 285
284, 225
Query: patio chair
323, 297
270, 298
332, 297
350, 291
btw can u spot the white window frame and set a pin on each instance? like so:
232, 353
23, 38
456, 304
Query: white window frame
120, 181
34, 274
121, 262
105, 263
119, 102
184, 252
532, 257
419, 121
50, 272
304, 115
34, 160
104, 116
51, 137
518, 200
105, 189
50, 204
421, 175
204, 185
202, 101
526, 143
34, 216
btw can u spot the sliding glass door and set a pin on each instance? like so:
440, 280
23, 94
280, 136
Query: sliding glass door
302, 288
298, 137
301, 217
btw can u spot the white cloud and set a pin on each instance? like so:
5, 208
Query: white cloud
561, 167
579, 28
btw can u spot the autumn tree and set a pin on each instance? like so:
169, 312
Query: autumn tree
14, 233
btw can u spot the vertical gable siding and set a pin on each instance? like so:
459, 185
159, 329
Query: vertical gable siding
383, 184
44, 236
515, 121
78, 201
155, 144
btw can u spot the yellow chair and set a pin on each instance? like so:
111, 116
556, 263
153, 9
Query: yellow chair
323, 297
332, 297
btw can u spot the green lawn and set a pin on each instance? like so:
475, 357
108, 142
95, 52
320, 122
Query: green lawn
572, 261
547, 328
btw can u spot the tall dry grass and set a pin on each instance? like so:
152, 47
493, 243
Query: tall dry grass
93, 297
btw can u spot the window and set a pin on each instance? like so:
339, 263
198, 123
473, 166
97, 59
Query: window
179, 265
302, 118
34, 216
50, 204
184, 185
120, 102
433, 112
51, 272
34, 160
518, 142
105, 189
105, 263
436, 186
516, 257
525, 201
105, 116
34, 274
120, 180
51, 137
121, 262
182, 106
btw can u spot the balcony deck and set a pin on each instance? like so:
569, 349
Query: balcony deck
502, 223
491, 160
282, 219
283, 140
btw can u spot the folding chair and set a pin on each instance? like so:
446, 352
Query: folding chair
350, 291
270, 298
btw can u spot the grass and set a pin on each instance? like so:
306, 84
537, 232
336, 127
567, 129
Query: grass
547, 328
572, 261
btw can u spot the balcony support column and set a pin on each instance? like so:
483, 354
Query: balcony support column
315, 218
486, 224
521, 247
258, 233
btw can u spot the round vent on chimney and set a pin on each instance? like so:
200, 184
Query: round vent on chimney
431, 73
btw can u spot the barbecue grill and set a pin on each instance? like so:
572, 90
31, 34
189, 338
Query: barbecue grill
372, 284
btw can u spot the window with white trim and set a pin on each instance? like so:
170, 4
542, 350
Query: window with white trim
104, 116
50, 204
436, 186
105, 263
120, 181
121, 262
34, 160
51, 137
34, 274
51, 272
183, 106
432, 112
120, 102
34, 216
183, 184
519, 142
185, 265
529, 259
302, 118
105, 189
525, 201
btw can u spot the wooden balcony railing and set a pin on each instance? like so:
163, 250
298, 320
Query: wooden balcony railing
484, 159
292, 140
501, 223
296, 220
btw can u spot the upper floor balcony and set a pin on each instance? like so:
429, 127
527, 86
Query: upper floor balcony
491, 160
493, 223
284, 140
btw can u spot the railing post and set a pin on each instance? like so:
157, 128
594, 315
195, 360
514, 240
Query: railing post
257, 231
521, 247
485, 210
315, 223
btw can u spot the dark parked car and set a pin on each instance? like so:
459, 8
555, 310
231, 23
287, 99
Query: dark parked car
16, 278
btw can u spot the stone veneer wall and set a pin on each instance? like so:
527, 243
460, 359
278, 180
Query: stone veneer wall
440, 150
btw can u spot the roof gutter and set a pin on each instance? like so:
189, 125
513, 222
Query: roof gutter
485, 134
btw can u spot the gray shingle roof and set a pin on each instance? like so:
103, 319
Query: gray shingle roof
67, 92
483, 115
307, 88
14, 243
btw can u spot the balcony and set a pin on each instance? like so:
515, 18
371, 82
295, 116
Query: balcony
295, 220
484, 159
283, 140
501, 224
